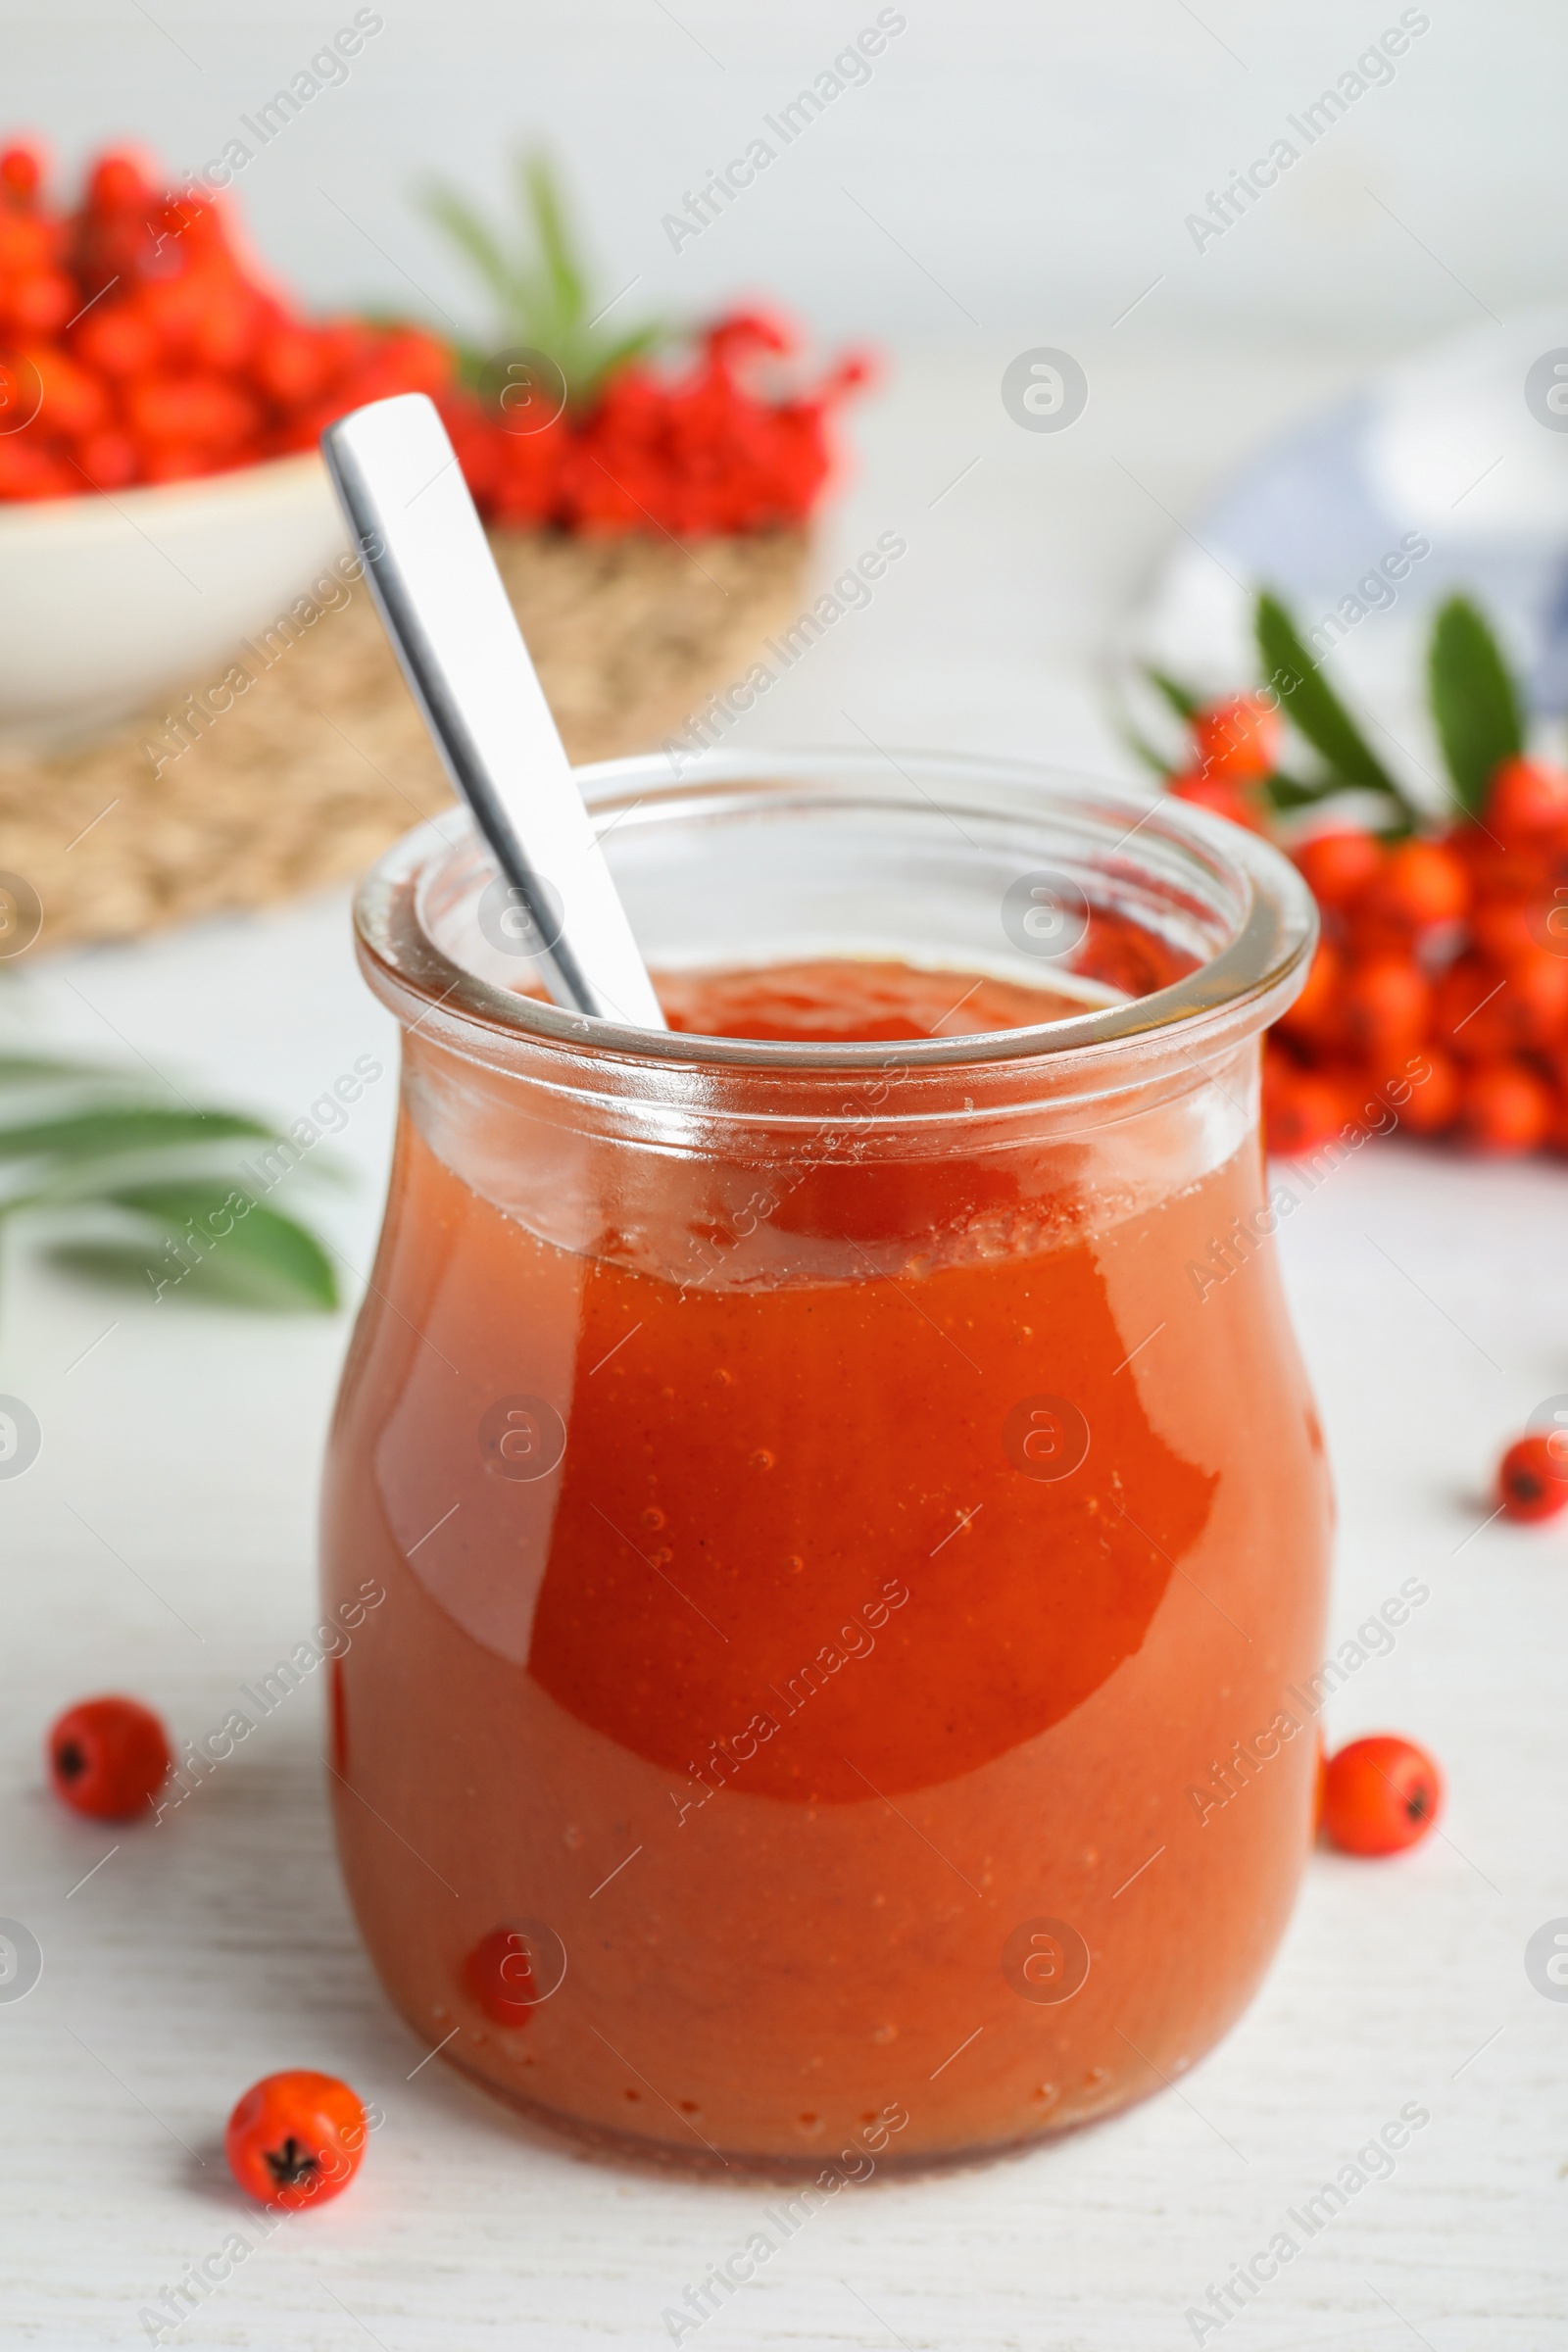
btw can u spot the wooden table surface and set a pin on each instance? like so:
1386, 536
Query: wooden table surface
164, 1543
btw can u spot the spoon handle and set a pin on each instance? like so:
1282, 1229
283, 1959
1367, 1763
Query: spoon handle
437, 589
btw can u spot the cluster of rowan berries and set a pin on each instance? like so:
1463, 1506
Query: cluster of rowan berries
139, 345
1440, 982
136, 345
695, 456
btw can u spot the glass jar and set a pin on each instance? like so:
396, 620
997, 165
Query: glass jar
835, 1528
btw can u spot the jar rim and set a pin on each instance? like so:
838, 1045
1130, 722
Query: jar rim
1247, 981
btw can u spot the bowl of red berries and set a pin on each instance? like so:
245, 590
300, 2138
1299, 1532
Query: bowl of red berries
106, 601
162, 397
160, 404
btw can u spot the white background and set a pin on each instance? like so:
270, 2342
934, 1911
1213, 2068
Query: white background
1040, 164
1037, 160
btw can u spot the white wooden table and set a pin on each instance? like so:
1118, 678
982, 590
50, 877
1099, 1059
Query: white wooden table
162, 1543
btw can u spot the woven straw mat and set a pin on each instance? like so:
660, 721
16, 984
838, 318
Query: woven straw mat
324, 760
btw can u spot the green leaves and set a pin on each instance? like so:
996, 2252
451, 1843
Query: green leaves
140, 1189
15, 1067
1312, 706
1302, 695
108, 1132
1475, 705
537, 283
1182, 701
218, 1230
541, 202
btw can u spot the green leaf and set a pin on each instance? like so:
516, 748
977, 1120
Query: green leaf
543, 202
1475, 702
1185, 705
1289, 792
1311, 704
35, 1068
152, 1273
82, 1161
538, 285
111, 1265
617, 355
108, 1131
234, 1239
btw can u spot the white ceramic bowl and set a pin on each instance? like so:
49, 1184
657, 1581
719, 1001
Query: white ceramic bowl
107, 603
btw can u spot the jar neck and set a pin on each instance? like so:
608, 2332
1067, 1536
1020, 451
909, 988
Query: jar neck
963, 865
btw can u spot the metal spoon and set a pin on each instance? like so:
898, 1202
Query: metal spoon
438, 591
